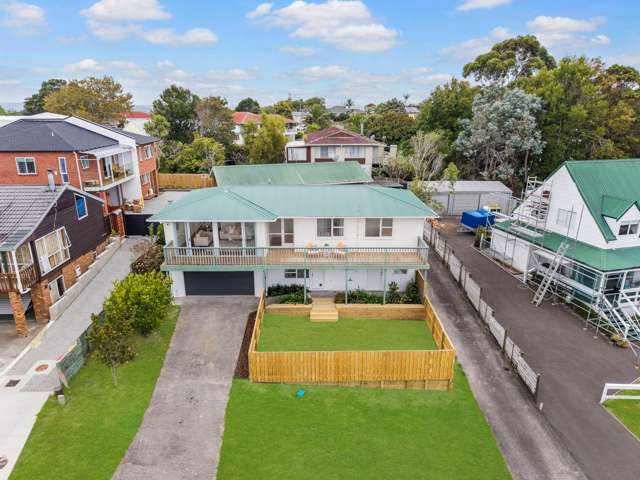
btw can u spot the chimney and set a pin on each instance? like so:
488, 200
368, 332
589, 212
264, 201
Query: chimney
51, 181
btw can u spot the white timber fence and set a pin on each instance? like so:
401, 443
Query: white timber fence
621, 391
461, 275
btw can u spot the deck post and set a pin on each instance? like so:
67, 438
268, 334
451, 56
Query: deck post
264, 279
304, 286
346, 286
384, 286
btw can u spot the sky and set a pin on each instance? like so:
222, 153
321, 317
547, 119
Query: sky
368, 50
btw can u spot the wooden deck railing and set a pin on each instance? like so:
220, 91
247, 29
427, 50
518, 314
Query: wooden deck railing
297, 256
9, 281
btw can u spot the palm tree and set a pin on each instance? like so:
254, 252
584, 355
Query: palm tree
348, 104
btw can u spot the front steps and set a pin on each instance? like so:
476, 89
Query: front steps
323, 310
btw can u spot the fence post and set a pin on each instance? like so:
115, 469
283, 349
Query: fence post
535, 394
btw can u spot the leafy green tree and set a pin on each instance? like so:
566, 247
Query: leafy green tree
510, 60
248, 105
393, 105
357, 122
35, 103
2, 111
310, 102
157, 126
348, 104
502, 133
451, 175
319, 116
283, 107
198, 156
140, 300
445, 107
266, 145
215, 120
391, 127
100, 100
110, 337
178, 106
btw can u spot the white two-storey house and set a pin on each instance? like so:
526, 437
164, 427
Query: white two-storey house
240, 239
581, 227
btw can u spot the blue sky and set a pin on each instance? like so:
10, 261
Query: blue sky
366, 50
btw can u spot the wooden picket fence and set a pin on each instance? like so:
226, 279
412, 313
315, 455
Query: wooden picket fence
417, 369
184, 181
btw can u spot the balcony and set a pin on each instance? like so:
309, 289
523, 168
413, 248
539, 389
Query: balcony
110, 171
9, 281
262, 258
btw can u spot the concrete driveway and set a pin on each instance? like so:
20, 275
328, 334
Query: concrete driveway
181, 433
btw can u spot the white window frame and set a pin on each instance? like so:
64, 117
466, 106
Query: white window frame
337, 224
381, 227
148, 151
55, 282
86, 209
84, 162
296, 273
25, 160
145, 178
64, 173
564, 217
282, 234
44, 255
632, 227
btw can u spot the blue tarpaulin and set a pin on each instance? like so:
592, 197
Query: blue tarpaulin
477, 218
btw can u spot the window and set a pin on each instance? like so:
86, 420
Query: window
26, 165
297, 154
81, 206
57, 289
296, 273
330, 227
23, 255
64, 174
145, 178
564, 218
84, 161
628, 228
354, 152
148, 152
378, 227
53, 250
281, 232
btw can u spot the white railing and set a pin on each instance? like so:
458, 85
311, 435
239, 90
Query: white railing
619, 387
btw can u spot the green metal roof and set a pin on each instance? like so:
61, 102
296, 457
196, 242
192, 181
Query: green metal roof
601, 259
267, 203
608, 187
291, 174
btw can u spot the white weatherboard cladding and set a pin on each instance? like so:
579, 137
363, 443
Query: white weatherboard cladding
177, 284
633, 214
335, 280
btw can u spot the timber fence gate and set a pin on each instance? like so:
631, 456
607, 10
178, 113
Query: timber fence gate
461, 275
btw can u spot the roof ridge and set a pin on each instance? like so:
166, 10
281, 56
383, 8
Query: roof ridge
382, 191
249, 202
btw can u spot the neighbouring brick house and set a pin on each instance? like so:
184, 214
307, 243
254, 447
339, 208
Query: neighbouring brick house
118, 166
49, 236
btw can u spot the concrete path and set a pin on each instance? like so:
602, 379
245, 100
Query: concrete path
18, 414
574, 367
531, 448
57, 337
181, 433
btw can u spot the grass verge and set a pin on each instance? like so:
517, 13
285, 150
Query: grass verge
628, 412
336, 433
88, 437
283, 333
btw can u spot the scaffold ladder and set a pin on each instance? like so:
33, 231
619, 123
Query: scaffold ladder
550, 273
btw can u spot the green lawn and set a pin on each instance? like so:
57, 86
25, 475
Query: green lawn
627, 411
87, 438
283, 333
338, 433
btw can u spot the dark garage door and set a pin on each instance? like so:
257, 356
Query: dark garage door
218, 283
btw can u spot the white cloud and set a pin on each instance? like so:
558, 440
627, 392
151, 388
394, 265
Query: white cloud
24, 17
236, 74
125, 69
566, 32
475, 46
260, 10
165, 64
320, 73
348, 25
126, 10
298, 50
121, 19
625, 59
477, 4
9, 82
433, 79
84, 66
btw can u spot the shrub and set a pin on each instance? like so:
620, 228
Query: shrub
150, 260
393, 293
141, 300
295, 297
359, 296
412, 293
110, 338
275, 290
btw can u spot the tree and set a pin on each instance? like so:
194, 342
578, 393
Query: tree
215, 120
393, 105
266, 145
502, 132
445, 107
35, 103
510, 60
248, 105
283, 107
178, 106
318, 116
391, 127
357, 122
100, 100
348, 104
2, 111
158, 126
450, 175
424, 162
140, 300
198, 156
110, 337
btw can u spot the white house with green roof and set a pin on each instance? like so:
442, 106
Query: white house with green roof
593, 208
239, 239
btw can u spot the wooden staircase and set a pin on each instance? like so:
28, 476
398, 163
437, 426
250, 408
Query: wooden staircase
323, 310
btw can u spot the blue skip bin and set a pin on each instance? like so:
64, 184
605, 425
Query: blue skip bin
477, 218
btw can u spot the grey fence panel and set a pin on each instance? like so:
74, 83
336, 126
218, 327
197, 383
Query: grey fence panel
473, 292
454, 266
